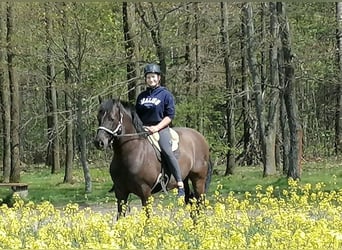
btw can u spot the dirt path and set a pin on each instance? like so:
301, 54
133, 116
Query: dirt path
110, 207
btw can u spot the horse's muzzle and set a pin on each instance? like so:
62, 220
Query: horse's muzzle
98, 143
101, 143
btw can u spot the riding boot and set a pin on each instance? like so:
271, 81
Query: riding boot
181, 192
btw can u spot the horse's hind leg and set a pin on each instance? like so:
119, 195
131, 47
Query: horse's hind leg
188, 193
199, 189
122, 206
199, 201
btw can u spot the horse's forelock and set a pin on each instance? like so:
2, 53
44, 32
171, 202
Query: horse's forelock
107, 106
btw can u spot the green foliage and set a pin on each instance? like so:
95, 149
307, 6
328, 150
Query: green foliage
210, 109
98, 29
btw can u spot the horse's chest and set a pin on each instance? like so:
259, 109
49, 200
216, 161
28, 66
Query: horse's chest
133, 170
125, 167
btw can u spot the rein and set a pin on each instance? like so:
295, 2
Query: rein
113, 133
133, 134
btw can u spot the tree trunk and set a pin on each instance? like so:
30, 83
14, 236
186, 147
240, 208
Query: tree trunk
81, 137
284, 133
267, 128
15, 99
271, 128
69, 142
285, 138
5, 98
264, 49
130, 48
189, 78
230, 124
252, 62
82, 143
51, 97
197, 80
290, 98
338, 112
250, 154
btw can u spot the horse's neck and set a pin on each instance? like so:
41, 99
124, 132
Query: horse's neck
129, 145
128, 127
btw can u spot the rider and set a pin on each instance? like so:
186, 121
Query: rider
156, 108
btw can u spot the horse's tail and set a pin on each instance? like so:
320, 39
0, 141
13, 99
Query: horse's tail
209, 174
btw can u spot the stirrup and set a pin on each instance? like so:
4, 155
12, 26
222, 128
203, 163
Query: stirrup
160, 180
162, 183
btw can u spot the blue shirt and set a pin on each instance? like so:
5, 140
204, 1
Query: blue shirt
153, 105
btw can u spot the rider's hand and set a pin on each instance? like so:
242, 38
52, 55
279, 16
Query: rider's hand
152, 129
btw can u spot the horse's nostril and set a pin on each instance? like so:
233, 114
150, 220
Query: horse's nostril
98, 144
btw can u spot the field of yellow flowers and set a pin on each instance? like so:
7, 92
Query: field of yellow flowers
299, 217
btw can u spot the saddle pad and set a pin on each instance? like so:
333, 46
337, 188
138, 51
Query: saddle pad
154, 138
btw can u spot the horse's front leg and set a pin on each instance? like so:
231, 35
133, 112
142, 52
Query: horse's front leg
146, 201
147, 206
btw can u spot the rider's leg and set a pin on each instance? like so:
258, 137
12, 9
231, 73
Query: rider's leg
166, 148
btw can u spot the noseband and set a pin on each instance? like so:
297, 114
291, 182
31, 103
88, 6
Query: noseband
114, 132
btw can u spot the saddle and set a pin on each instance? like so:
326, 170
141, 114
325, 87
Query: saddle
165, 175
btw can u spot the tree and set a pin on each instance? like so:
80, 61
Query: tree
266, 128
230, 102
189, 60
273, 110
5, 97
197, 64
15, 98
130, 48
252, 63
192, 69
296, 133
81, 45
338, 113
51, 97
68, 96
250, 154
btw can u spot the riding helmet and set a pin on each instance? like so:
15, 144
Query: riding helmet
152, 68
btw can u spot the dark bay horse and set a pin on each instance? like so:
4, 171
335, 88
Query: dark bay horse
135, 166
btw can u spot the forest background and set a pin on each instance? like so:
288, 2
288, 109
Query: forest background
261, 81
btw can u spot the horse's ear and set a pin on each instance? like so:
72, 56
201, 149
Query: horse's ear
100, 99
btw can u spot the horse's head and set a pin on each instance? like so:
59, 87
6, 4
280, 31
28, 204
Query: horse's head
110, 123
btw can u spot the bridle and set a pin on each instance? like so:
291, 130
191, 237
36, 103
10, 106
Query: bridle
115, 133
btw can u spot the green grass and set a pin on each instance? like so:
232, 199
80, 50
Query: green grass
247, 178
44, 186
